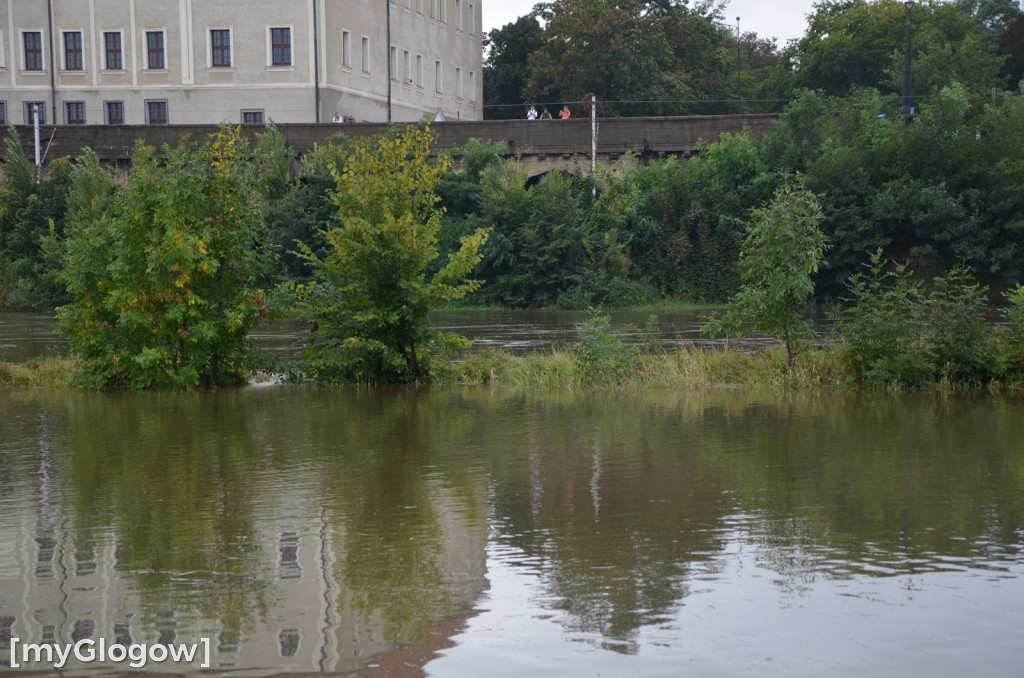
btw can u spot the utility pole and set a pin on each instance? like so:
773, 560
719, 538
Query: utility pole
908, 109
739, 73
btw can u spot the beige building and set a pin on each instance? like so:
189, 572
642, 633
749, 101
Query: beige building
241, 61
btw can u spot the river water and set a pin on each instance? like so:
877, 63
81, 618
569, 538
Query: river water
458, 532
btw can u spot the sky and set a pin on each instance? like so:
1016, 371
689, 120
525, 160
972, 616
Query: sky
783, 19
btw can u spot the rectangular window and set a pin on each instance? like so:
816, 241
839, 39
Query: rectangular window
112, 45
419, 7
156, 112
33, 50
39, 107
472, 86
366, 54
156, 56
113, 112
472, 19
437, 78
252, 117
3, 112
458, 82
419, 70
393, 65
73, 51
74, 112
406, 68
444, 10
458, 15
433, 9
346, 49
220, 48
281, 46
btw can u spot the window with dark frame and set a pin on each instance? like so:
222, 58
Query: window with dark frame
74, 112
114, 112
40, 106
112, 45
3, 112
156, 112
220, 48
281, 46
156, 56
73, 51
252, 117
33, 51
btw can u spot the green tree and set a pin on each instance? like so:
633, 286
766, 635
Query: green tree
30, 211
783, 250
851, 44
505, 69
642, 57
370, 297
160, 278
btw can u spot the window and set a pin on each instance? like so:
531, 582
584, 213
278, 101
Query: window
252, 117
281, 46
74, 112
444, 10
406, 68
472, 86
112, 44
220, 48
3, 112
419, 70
40, 107
472, 19
156, 57
419, 7
73, 51
113, 112
346, 49
392, 65
458, 82
433, 9
33, 50
366, 54
437, 77
458, 15
156, 112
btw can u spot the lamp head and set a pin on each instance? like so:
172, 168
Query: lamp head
909, 4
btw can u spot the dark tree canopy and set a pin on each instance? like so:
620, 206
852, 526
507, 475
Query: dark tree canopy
851, 44
505, 68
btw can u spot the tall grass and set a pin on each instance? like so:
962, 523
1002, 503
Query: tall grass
689, 367
38, 372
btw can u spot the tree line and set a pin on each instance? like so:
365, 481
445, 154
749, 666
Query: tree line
664, 57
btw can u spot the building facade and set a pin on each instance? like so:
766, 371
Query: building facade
240, 61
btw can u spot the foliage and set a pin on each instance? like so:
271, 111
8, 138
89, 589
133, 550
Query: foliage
1011, 46
370, 298
900, 333
160, 275
539, 236
600, 356
505, 68
645, 58
30, 211
850, 44
783, 250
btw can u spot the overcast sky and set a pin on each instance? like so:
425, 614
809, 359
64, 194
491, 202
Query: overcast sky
784, 19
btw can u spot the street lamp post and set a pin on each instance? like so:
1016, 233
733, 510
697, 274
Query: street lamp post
907, 108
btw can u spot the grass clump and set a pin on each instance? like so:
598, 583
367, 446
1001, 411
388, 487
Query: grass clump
38, 372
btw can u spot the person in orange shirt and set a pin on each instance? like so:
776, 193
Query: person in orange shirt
564, 113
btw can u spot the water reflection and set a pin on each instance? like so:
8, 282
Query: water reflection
333, 530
